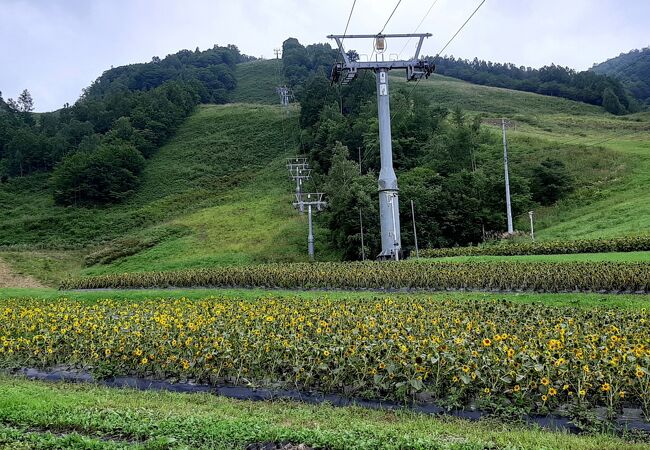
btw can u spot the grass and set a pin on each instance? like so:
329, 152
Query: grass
39, 415
48, 266
613, 256
257, 81
583, 300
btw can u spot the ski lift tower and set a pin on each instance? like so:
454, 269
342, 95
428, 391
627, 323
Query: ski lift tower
346, 71
300, 172
311, 201
285, 94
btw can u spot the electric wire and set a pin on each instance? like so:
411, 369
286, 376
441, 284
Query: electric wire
348, 22
390, 17
418, 27
443, 49
461, 28
384, 27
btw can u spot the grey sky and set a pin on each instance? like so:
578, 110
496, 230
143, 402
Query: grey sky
55, 48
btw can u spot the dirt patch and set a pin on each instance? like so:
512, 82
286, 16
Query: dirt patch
11, 279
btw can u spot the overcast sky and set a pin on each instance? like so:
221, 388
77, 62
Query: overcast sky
55, 48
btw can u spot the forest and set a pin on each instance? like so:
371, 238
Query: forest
96, 148
632, 69
586, 86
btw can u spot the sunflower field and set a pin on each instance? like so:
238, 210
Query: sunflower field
603, 245
455, 351
494, 275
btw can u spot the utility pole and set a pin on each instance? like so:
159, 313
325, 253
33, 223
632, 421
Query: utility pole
299, 171
415, 231
507, 176
311, 201
363, 248
531, 215
359, 149
277, 52
416, 69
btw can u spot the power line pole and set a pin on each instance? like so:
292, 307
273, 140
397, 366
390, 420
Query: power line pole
285, 94
507, 176
277, 52
415, 231
416, 69
363, 248
531, 215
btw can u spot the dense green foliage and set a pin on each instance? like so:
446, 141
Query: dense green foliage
505, 248
499, 275
632, 69
213, 68
130, 109
107, 175
587, 86
299, 61
551, 181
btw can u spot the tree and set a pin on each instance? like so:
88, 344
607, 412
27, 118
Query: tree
551, 181
25, 102
107, 175
611, 102
348, 192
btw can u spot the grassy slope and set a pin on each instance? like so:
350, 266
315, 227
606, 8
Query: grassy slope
219, 187
610, 155
33, 414
217, 191
250, 219
257, 81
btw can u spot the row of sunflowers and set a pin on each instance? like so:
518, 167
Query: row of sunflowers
601, 245
411, 274
454, 350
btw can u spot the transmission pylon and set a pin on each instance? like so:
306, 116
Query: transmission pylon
346, 71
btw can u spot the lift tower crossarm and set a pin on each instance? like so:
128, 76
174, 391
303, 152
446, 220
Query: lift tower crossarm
373, 65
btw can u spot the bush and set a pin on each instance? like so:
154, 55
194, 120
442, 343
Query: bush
620, 244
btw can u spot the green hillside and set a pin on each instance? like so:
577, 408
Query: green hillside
633, 69
257, 81
609, 155
217, 193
